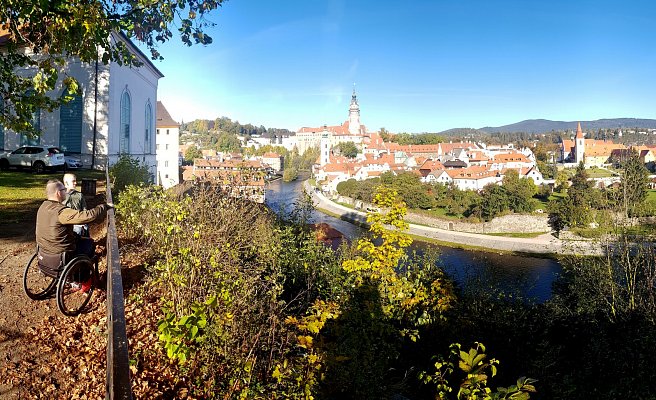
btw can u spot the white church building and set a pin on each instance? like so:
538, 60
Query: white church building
114, 113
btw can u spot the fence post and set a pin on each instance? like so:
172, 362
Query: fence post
118, 365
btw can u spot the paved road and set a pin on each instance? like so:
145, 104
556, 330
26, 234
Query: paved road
543, 244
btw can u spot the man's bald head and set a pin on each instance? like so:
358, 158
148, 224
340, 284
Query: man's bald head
55, 190
70, 180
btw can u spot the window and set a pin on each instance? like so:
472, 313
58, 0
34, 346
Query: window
166, 163
157, 146
158, 131
167, 146
148, 128
70, 125
126, 108
36, 123
167, 131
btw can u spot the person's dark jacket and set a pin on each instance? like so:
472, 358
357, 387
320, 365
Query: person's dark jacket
75, 200
54, 225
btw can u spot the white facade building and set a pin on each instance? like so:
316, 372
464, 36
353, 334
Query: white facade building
113, 114
167, 142
350, 131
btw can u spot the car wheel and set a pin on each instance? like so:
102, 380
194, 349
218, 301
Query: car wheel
38, 167
4, 164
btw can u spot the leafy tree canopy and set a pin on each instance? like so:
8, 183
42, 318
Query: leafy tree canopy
348, 149
192, 153
83, 29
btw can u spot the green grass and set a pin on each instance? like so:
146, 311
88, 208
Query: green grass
651, 195
518, 234
437, 212
347, 205
21, 192
599, 173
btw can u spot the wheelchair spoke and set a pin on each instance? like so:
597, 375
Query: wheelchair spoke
36, 284
76, 286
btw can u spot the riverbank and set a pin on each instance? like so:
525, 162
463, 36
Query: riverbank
545, 244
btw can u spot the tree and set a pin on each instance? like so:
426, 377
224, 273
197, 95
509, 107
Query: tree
59, 29
634, 183
581, 188
494, 202
348, 149
227, 142
347, 188
384, 134
192, 153
574, 210
520, 191
561, 181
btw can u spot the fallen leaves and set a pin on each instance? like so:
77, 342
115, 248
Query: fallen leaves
59, 357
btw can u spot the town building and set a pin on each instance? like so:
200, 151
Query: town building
113, 114
593, 153
352, 130
468, 166
234, 177
274, 160
167, 139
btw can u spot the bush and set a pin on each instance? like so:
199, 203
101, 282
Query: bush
128, 171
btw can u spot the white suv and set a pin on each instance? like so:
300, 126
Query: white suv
36, 157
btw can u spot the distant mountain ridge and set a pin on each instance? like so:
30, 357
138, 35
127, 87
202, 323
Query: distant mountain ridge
545, 125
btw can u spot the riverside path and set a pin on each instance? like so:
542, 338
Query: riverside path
543, 244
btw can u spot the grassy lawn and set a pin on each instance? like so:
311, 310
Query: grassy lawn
651, 195
21, 192
346, 205
599, 173
437, 212
518, 235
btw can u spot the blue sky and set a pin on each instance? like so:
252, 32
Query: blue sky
418, 66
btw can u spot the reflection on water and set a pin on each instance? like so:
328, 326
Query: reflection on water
530, 276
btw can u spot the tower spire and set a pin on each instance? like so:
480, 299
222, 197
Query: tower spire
579, 132
354, 115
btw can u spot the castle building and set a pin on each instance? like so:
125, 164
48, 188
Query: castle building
350, 131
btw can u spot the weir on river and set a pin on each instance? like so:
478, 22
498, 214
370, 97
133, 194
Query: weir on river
530, 276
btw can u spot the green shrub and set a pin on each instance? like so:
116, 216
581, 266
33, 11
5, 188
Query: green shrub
128, 171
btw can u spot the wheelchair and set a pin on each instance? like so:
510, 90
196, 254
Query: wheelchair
71, 278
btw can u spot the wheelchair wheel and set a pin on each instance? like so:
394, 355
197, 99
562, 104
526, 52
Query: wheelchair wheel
76, 285
36, 284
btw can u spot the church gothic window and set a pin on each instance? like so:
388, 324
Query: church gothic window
126, 108
148, 128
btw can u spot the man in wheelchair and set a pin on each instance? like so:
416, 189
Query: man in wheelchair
55, 238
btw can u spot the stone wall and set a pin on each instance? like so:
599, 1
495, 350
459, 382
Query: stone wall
512, 223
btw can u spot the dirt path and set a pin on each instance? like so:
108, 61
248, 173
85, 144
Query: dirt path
36, 340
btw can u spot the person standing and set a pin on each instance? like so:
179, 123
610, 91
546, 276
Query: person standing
76, 201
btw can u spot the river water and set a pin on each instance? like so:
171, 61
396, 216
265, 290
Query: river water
529, 276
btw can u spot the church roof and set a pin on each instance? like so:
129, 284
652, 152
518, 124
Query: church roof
164, 119
579, 132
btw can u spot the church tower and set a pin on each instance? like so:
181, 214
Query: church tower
580, 144
354, 115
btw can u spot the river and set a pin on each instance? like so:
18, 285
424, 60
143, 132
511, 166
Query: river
530, 276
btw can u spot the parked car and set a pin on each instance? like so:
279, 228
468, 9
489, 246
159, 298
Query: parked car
72, 162
39, 158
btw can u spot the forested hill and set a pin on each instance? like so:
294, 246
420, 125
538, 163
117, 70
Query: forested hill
462, 132
225, 124
545, 125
